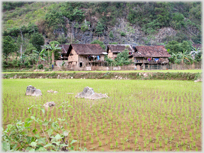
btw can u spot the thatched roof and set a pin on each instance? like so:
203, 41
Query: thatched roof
86, 49
117, 48
64, 48
151, 51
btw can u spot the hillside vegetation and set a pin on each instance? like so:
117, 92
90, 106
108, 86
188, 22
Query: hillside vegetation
112, 22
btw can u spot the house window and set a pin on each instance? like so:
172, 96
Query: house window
80, 64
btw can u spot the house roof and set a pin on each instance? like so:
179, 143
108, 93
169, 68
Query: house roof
86, 49
64, 48
151, 51
197, 46
117, 48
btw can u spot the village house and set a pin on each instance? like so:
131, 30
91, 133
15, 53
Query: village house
145, 56
114, 49
63, 56
83, 55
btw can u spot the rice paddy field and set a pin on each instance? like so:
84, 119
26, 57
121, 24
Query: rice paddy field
139, 115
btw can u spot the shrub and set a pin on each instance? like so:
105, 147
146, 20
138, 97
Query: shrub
122, 34
100, 43
111, 35
40, 66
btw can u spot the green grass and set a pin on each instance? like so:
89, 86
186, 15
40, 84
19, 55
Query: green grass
128, 71
139, 109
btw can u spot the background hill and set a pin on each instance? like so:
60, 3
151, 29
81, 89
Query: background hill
148, 23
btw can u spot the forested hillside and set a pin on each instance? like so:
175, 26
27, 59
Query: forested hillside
147, 23
142, 23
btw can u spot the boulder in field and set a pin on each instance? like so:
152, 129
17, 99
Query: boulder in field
32, 91
49, 104
89, 93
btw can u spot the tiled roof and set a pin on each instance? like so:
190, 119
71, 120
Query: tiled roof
87, 49
64, 48
197, 46
151, 51
119, 48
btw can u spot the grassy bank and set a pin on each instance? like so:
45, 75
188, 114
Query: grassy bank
107, 75
128, 71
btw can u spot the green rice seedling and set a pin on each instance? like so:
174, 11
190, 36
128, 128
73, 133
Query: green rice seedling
196, 149
184, 148
145, 145
155, 147
100, 143
128, 145
136, 141
116, 143
123, 147
160, 143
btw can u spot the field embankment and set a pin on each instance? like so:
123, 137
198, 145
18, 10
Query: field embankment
106, 75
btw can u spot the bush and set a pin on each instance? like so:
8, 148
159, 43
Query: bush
122, 34
40, 66
46, 69
111, 35
100, 43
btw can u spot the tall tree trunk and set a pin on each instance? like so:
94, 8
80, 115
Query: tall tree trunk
48, 57
21, 42
53, 57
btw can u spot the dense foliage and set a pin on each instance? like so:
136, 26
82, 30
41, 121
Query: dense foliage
121, 59
100, 43
150, 16
8, 46
37, 40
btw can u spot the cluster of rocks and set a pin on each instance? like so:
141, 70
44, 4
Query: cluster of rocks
87, 93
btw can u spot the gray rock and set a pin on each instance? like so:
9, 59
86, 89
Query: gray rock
49, 104
32, 91
52, 91
89, 93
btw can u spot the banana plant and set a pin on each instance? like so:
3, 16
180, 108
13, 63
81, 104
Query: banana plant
184, 56
53, 47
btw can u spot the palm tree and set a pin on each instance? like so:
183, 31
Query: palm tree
53, 47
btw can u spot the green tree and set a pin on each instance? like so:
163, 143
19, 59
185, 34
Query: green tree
78, 15
37, 40
9, 46
29, 49
109, 61
100, 43
54, 19
174, 47
122, 58
111, 34
99, 28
